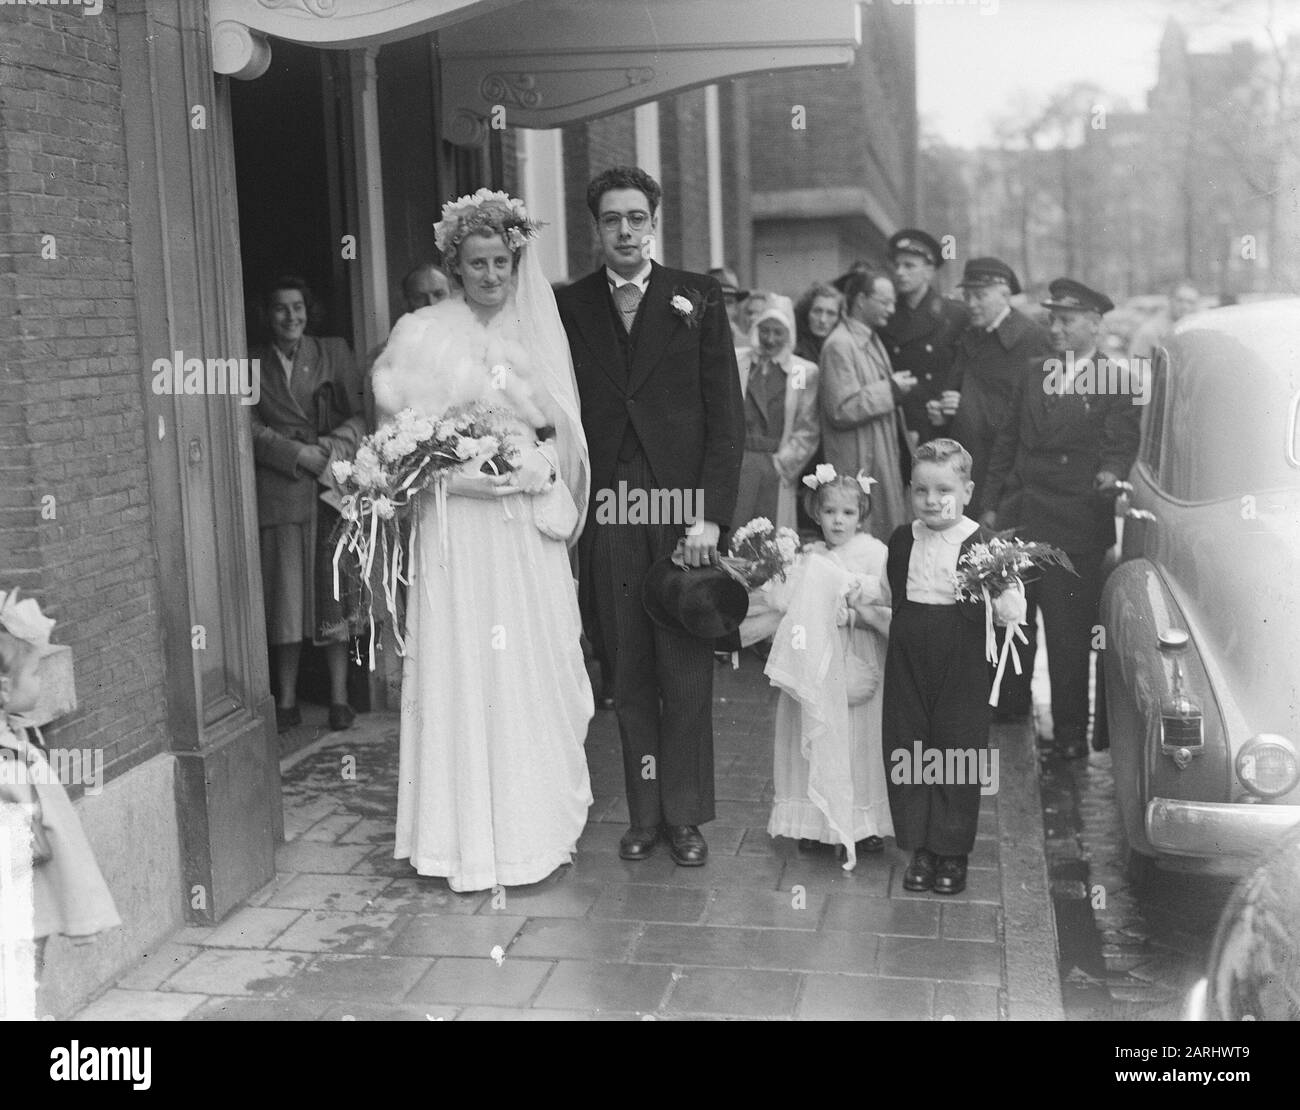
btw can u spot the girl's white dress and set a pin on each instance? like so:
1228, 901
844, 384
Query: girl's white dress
493, 785
828, 765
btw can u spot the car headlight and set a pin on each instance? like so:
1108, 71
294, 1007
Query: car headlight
1267, 765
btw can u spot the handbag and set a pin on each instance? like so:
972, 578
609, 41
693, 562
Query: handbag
554, 512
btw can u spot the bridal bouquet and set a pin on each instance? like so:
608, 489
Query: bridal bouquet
760, 552
993, 573
394, 464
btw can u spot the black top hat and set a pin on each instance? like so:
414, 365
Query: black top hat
912, 241
980, 272
699, 601
1068, 294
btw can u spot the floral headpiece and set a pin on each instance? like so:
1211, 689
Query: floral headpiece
499, 211
24, 619
825, 474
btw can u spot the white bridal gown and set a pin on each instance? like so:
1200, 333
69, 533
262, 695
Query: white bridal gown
493, 785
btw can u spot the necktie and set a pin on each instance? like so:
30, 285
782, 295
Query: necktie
627, 297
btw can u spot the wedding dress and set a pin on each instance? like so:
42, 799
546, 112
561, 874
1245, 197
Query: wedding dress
493, 786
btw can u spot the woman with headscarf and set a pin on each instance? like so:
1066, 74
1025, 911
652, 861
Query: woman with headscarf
782, 428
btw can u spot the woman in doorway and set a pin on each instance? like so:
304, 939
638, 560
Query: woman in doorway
310, 414
493, 785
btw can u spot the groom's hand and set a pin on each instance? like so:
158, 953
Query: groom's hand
700, 545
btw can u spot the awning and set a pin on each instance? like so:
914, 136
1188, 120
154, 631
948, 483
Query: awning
546, 63
240, 27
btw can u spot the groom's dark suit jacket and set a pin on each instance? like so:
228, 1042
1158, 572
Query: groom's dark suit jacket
675, 384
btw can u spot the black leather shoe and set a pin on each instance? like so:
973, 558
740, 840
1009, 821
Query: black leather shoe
341, 717
871, 844
950, 875
638, 843
920, 872
285, 719
687, 846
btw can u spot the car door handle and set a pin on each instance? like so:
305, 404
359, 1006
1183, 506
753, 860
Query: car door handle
1139, 514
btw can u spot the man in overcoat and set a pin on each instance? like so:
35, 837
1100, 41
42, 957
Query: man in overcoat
1052, 478
922, 334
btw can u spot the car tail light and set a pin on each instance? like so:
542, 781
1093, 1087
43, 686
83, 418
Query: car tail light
1267, 765
1182, 724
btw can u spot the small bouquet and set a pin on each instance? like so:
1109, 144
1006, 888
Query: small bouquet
993, 573
760, 552
397, 462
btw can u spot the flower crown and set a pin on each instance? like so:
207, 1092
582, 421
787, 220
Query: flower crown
499, 211
24, 619
825, 474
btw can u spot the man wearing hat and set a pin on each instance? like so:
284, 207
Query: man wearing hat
921, 336
733, 296
991, 355
1052, 477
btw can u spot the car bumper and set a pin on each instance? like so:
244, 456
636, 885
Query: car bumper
1207, 829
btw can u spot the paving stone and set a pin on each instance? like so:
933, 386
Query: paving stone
581, 985
224, 971
730, 991
864, 998
380, 861
370, 1011
882, 916
456, 935
331, 931
965, 1002
312, 857
364, 978
775, 949
565, 898
157, 966
369, 831
498, 1013
481, 982
332, 828
259, 1009
563, 938
252, 927
970, 921
329, 892
870, 879
129, 1005
954, 960
777, 909
417, 894
637, 902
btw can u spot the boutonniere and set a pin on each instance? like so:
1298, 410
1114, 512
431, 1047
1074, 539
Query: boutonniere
688, 304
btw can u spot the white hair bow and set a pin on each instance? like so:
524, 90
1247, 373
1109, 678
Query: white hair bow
825, 473
24, 619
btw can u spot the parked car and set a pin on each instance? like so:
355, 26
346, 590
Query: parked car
1254, 967
1202, 613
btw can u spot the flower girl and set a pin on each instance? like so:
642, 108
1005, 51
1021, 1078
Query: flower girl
829, 620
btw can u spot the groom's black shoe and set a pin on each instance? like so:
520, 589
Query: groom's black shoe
638, 843
687, 846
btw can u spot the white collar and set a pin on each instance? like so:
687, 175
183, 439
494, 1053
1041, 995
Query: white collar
1006, 311
640, 279
956, 535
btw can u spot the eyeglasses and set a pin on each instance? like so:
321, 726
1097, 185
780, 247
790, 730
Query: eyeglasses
890, 303
637, 221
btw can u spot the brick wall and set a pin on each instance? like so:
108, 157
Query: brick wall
71, 419
590, 148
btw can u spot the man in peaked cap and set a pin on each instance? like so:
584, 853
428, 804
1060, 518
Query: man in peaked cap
991, 355
1052, 477
922, 334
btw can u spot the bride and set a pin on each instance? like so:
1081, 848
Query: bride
492, 785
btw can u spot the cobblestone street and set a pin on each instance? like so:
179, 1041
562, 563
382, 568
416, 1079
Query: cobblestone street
763, 931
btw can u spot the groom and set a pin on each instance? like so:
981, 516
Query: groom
661, 406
